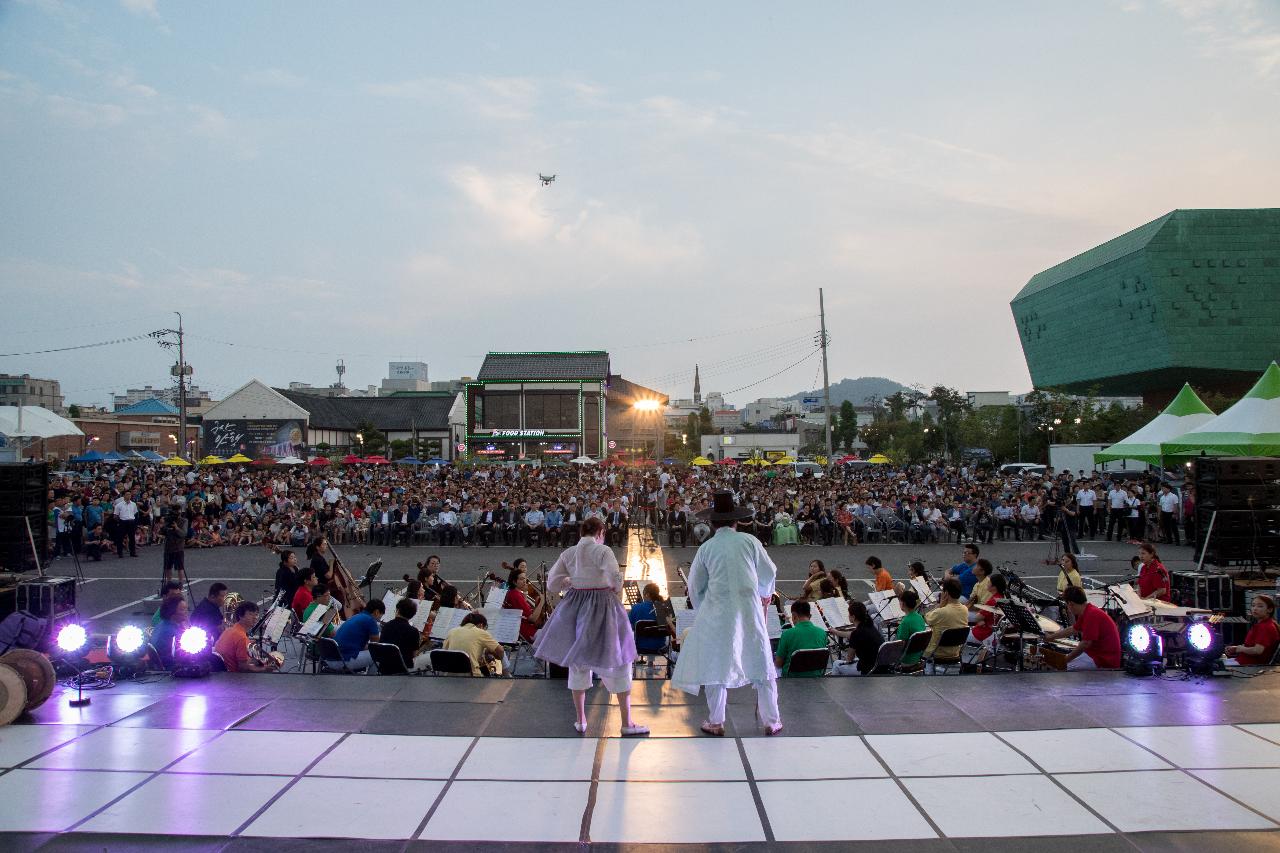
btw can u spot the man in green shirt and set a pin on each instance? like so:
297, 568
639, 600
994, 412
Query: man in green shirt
802, 634
912, 623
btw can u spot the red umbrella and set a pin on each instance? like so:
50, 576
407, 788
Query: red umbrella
376, 460
352, 459
264, 461
727, 461
319, 460
848, 458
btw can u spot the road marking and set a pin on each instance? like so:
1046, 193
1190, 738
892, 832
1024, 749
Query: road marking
193, 582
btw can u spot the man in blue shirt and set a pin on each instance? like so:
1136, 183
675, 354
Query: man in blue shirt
963, 571
354, 635
554, 520
644, 611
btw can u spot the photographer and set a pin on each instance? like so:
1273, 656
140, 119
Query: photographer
174, 531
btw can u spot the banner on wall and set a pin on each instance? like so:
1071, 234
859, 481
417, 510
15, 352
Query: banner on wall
252, 438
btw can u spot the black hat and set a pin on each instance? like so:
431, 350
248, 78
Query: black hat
723, 509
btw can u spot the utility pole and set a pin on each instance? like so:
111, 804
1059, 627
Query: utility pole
826, 380
181, 370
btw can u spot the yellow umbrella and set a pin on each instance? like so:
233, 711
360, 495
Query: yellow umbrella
702, 460
786, 460
212, 460
176, 461
239, 457
755, 462
879, 459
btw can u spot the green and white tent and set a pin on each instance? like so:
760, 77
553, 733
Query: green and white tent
1249, 428
1185, 413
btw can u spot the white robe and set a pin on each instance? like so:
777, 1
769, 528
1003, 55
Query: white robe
729, 642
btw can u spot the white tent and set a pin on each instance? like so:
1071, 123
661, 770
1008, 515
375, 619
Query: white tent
583, 460
34, 422
290, 460
1249, 428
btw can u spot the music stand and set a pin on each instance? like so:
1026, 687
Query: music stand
369, 574
1023, 621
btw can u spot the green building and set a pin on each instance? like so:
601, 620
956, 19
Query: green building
1192, 297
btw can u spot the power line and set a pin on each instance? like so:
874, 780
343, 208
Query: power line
717, 335
735, 362
814, 352
281, 349
77, 347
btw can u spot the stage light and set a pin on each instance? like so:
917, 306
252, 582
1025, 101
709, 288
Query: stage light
1139, 638
128, 639
193, 641
72, 638
1204, 648
1144, 651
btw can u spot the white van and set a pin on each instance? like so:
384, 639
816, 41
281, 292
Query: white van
799, 469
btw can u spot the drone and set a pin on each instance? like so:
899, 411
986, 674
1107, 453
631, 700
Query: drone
546, 179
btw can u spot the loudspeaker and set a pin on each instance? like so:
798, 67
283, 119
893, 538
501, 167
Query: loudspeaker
15, 547
49, 598
1202, 590
1231, 496
1244, 470
24, 488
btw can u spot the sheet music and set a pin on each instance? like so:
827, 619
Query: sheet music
927, 596
685, 619
679, 602
497, 594
885, 606
420, 618
319, 617
773, 621
835, 612
389, 600
447, 618
1130, 602
277, 622
1096, 597
504, 624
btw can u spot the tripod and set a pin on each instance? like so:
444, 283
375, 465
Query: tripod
1061, 540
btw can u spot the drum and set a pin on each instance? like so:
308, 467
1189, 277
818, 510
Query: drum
13, 694
1053, 658
36, 671
701, 532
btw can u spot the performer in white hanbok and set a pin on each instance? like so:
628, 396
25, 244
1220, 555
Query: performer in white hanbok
730, 584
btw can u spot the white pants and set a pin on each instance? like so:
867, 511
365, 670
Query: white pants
766, 702
615, 680
1081, 662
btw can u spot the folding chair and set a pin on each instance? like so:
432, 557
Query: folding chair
809, 660
647, 629
331, 656
888, 656
446, 662
388, 659
951, 637
916, 644
217, 662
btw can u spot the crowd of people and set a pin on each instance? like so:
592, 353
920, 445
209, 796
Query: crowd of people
101, 510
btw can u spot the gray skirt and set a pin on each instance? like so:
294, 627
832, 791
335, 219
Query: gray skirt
588, 628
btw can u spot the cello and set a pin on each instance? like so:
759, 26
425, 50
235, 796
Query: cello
343, 586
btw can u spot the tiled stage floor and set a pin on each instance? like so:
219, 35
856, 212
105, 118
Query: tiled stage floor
1096, 762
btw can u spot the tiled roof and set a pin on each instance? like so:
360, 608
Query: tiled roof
513, 366
386, 413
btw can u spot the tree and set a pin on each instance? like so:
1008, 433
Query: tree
371, 440
401, 447
693, 428
847, 432
73, 410
705, 425
323, 448
951, 406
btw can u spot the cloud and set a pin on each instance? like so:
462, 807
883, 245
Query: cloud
85, 114
277, 78
1235, 26
510, 203
499, 98
144, 8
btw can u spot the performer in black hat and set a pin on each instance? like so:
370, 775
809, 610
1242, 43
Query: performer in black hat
730, 583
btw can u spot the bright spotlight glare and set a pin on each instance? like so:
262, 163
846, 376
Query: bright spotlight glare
1139, 638
72, 638
193, 640
129, 639
646, 405
1200, 637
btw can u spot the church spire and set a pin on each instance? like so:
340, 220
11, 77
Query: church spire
697, 386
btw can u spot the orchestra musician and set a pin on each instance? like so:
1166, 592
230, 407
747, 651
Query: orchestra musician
1153, 577
473, 637
802, 634
589, 631
1099, 646
320, 596
399, 633
982, 636
1260, 644
864, 643
812, 584
286, 576
915, 570
644, 611
950, 613
884, 581
233, 646
521, 596
910, 623
208, 613
429, 577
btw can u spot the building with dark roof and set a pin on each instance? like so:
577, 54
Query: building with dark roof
1193, 296
537, 405
418, 417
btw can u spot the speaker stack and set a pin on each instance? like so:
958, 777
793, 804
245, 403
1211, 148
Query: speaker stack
1245, 494
24, 489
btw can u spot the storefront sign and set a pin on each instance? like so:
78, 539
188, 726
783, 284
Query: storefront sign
519, 433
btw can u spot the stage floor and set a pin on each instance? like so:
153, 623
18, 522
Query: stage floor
1099, 761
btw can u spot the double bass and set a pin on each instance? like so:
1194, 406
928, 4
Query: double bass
343, 586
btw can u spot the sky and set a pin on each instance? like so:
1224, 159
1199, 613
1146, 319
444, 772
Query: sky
314, 181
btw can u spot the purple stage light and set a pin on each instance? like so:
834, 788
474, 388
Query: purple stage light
72, 638
193, 640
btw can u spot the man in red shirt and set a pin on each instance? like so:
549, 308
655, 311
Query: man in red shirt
1099, 646
1153, 577
1264, 636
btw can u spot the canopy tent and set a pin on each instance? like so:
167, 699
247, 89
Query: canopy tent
91, 456
377, 459
240, 458
293, 460
113, 456
212, 460
436, 460
1249, 428
34, 422
583, 460
409, 460
176, 462
1186, 412
152, 456
134, 456
880, 459
701, 461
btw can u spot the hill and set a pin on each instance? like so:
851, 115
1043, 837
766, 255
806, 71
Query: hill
856, 391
